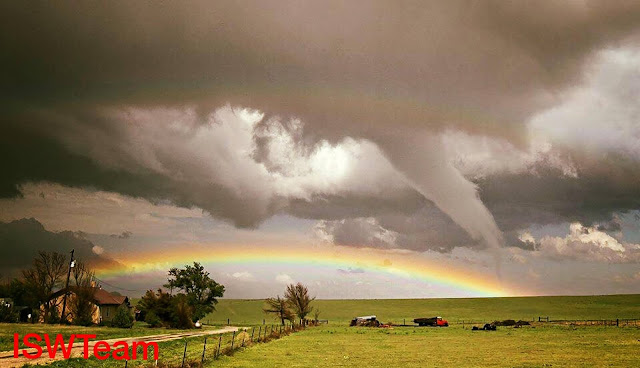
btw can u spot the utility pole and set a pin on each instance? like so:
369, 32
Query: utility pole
72, 264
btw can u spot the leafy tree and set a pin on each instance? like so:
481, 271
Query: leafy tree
20, 292
157, 304
8, 313
280, 308
46, 273
122, 318
297, 296
200, 290
82, 306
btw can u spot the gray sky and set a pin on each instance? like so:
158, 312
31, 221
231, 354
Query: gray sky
500, 137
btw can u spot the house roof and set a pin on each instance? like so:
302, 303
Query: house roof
101, 296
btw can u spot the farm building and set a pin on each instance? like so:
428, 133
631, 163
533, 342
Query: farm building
106, 303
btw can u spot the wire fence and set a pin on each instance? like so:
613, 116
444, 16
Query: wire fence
195, 351
618, 322
600, 322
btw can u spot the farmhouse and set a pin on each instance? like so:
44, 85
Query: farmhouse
105, 303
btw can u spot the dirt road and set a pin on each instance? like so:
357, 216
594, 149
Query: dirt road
7, 359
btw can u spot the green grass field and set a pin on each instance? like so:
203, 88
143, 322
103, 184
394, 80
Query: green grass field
336, 344
249, 312
339, 346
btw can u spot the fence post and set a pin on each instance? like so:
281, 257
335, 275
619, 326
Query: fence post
204, 349
217, 353
252, 331
228, 321
233, 340
263, 321
184, 355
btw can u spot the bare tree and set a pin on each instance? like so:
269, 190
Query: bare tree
298, 298
46, 273
280, 308
82, 307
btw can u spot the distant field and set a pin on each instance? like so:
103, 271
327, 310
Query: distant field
249, 312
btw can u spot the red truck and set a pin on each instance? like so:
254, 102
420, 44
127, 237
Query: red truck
432, 321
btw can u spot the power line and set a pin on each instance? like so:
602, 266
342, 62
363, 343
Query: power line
117, 287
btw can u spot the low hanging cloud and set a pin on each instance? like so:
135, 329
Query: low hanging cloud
232, 163
243, 275
283, 278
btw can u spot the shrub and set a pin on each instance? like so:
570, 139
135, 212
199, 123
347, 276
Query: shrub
122, 318
153, 320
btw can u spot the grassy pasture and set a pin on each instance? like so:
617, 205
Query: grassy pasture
249, 312
340, 346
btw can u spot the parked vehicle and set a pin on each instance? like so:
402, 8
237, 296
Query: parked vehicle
431, 321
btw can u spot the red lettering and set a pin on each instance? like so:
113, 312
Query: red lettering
97, 350
145, 345
121, 354
59, 341
29, 344
102, 350
86, 337
16, 343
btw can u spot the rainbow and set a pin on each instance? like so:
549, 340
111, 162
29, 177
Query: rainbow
408, 265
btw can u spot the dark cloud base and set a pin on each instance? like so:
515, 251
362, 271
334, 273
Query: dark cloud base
21, 240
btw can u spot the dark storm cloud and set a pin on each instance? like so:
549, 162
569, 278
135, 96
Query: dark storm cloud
82, 84
547, 196
21, 240
322, 61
